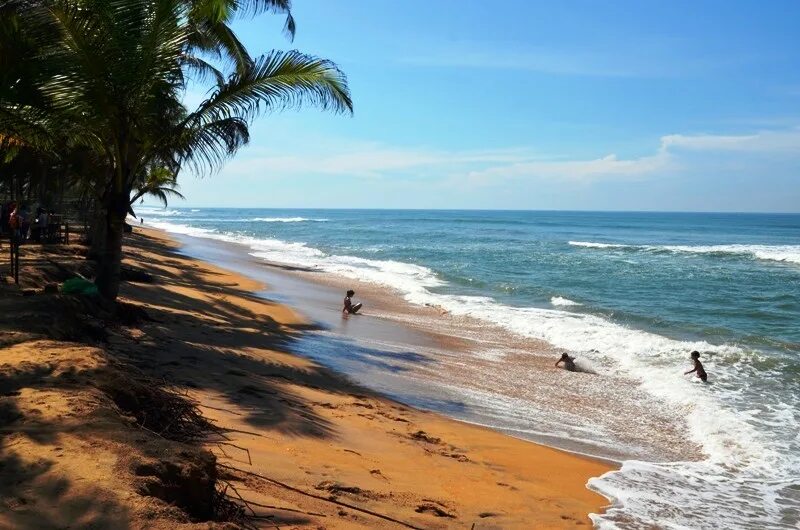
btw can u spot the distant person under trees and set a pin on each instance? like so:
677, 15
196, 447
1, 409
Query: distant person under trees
14, 222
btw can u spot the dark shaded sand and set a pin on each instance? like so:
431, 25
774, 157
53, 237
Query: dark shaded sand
306, 447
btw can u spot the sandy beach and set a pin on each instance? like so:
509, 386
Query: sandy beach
304, 446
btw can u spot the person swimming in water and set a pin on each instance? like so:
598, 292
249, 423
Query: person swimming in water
569, 362
349, 307
698, 367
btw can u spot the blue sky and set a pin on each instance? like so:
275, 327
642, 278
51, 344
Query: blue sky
617, 105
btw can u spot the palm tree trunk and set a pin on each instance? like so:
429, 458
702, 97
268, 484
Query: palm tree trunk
109, 259
98, 227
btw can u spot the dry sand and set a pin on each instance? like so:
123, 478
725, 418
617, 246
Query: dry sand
304, 446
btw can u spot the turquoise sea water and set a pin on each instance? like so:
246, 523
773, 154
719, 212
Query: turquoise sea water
632, 293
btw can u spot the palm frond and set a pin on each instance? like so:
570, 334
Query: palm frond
159, 182
278, 81
219, 39
202, 70
25, 126
257, 7
225, 10
205, 146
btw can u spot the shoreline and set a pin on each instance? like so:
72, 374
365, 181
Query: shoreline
392, 316
465, 443
457, 345
463, 430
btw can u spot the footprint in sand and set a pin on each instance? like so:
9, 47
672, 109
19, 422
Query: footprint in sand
377, 473
434, 508
422, 436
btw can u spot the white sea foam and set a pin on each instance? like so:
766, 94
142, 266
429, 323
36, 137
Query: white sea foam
159, 212
560, 301
177, 228
590, 244
405, 277
784, 253
745, 460
287, 220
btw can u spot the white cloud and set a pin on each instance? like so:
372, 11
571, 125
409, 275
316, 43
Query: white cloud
668, 157
370, 160
785, 141
609, 166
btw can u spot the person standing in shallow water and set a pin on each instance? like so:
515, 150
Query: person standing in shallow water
698, 367
350, 308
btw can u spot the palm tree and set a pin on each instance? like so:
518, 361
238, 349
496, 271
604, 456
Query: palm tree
160, 183
112, 74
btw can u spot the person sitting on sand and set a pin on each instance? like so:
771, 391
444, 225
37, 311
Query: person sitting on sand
14, 223
569, 362
349, 308
698, 367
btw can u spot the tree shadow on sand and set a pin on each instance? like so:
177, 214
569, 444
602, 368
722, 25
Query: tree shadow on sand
30, 496
210, 348
29, 500
209, 342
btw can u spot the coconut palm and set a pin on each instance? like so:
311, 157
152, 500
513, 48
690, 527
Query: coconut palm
160, 183
113, 72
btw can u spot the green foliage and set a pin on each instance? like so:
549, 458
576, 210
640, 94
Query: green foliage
160, 183
116, 71
97, 87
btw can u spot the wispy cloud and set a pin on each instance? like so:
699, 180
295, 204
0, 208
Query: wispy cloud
607, 167
649, 58
574, 63
674, 153
784, 141
371, 160
669, 156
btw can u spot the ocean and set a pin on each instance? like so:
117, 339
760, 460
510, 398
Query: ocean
630, 295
